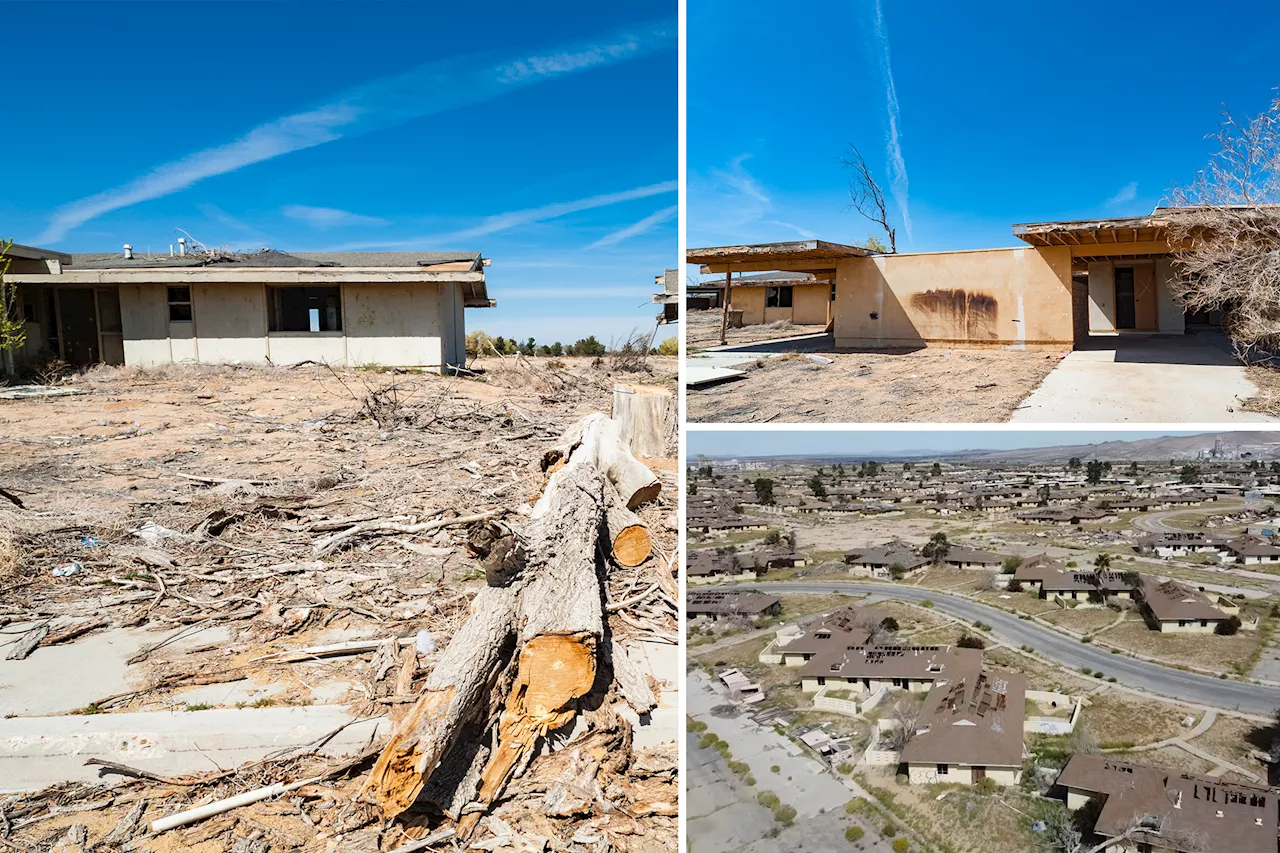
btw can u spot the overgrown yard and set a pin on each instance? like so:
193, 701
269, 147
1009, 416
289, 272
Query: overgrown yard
931, 385
703, 331
1231, 655
1117, 719
1085, 620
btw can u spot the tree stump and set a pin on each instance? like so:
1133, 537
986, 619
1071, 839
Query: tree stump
646, 417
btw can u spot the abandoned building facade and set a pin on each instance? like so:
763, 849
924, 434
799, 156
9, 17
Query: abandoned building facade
397, 309
1073, 279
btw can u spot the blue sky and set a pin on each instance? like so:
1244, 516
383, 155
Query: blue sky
873, 442
975, 115
545, 138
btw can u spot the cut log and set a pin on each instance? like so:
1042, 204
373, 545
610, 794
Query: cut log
460, 682
596, 440
555, 599
632, 682
27, 643
629, 540
561, 626
646, 416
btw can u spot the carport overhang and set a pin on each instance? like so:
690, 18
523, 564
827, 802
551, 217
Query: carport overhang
812, 256
1127, 238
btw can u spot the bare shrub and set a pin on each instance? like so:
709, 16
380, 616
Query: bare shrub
10, 556
1227, 225
632, 355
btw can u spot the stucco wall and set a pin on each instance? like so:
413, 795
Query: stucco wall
809, 304
1102, 297
988, 296
1171, 317
389, 324
750, 301
1189, 628
959, 774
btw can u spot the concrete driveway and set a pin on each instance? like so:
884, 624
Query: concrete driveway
1137, 379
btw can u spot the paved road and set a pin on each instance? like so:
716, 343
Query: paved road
1176, 684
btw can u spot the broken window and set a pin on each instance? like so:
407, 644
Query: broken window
777, 297
943, 770
180, 304
304, 309
833, 291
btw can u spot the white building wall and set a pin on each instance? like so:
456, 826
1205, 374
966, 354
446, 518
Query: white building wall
393, 324
144, 319
230, 322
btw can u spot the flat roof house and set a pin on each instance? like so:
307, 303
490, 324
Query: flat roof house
1071, 280
402, 309
1171, 812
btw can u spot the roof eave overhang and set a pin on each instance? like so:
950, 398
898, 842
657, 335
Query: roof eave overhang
251, 275
796, 256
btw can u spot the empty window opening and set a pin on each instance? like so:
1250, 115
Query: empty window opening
777, 297
305, 309
180, 304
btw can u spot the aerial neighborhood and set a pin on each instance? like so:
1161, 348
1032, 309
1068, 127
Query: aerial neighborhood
902, 621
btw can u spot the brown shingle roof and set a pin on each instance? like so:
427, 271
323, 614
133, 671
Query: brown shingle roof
975, 720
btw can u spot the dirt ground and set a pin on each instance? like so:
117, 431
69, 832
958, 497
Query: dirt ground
702, 330
932, 385
187, 496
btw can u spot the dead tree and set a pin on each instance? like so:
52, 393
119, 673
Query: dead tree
866, 197
1225, 229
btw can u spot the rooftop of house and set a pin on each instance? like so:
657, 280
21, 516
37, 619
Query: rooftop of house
889, 662
1251, 546
973, 719
1171, 601
848, 626
271, 258
723, 602
702, 563
1176, 807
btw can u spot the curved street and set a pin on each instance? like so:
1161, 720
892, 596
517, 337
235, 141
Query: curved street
1163, 680
1154, 522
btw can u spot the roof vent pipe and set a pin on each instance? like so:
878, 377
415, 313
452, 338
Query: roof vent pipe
182, 245
128, 252
171, 250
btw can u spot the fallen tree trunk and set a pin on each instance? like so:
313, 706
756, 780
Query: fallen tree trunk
553, 594
646, 418
561, 626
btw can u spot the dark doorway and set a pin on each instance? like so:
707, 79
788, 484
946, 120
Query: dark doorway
980, 773
78, 312
1126, 313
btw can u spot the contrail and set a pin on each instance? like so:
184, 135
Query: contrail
637, 228
425, 90
897, 165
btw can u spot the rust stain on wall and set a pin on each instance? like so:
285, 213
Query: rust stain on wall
965, 315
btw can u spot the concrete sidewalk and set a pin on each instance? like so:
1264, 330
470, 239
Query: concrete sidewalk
1185, 378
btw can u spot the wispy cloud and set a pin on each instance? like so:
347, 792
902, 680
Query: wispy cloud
516, 218
424, 90
1127, 194
328, 217
653, 220
217, 215
803, 232
898, 184
741, 180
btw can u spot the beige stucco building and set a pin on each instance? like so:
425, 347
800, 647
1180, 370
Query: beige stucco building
1072, 279
401, 309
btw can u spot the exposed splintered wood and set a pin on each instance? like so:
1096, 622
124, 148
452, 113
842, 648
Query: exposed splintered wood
556, 603
459, 684
561, 626
632, 681
629, 539
28, 642
646, 417
596, 440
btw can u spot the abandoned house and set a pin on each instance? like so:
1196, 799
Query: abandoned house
398, 309
1073, 279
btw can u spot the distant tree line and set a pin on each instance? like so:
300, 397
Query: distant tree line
479, 344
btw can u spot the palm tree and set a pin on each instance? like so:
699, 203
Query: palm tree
1101, 567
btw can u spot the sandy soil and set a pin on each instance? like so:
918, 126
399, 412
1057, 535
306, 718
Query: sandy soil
930, 385
702, 330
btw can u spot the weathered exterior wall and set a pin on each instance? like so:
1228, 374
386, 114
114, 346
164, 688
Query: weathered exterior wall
1144, 296
230, 322
144, 317
1171, 317
1102, 297
990, 296
960, 774
750, 301
391, 324
810, 304
1192, 627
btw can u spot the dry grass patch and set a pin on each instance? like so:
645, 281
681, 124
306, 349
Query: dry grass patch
1234, 740
1021, 602
1206, 651
1117, 719
10, 556
1267, 400
1169, 758
1082, 621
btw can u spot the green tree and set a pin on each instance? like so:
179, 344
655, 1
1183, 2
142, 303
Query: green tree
557, 348
764, 491
1101, 566
936, 548
588, 346
13, 325
1093, 472
815, 485
1073, 464
669, 346
936, 470
1189, 474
